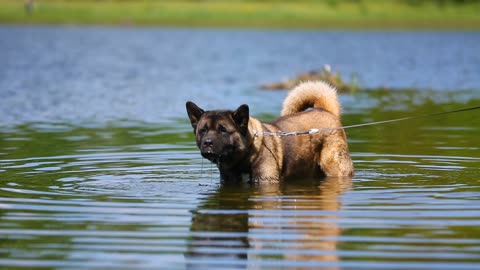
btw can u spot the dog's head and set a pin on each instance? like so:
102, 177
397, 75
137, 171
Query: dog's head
222, 135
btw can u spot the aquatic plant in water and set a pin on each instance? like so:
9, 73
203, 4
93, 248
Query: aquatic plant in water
325, 74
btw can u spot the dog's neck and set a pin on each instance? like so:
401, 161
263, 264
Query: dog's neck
241, 169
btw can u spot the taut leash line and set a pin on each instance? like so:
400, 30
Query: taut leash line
315, 130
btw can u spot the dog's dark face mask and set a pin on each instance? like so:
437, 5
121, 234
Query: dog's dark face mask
222, 135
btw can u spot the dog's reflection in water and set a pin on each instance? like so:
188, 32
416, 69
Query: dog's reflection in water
292, 222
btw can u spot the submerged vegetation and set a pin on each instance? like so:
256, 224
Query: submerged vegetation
353, 14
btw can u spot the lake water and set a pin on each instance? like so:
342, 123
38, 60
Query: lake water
99, 170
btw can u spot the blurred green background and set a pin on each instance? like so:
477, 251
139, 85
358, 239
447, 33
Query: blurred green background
349, 14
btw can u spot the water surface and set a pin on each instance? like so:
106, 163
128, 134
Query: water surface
98, 167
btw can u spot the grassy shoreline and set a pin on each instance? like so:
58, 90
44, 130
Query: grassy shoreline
366, 14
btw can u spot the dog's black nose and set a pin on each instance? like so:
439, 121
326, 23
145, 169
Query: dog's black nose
207, 142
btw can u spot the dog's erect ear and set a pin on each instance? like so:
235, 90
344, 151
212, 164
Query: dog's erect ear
194, 113
241, 116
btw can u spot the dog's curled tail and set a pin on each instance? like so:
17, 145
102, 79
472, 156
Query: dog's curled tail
312, 94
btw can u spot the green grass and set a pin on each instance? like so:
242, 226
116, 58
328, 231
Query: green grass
351, 14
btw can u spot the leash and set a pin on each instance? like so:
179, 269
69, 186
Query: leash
315, 130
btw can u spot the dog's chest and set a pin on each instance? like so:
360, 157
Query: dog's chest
245, 177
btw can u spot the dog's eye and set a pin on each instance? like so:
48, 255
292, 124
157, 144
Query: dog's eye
222, 129
202, 130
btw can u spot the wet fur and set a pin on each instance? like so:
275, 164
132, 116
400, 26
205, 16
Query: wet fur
226, 138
